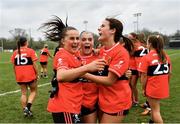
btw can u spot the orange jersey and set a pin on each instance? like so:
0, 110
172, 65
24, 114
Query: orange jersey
44, 53
139, 52
24, 69
132, 63
90, 89
116, 97
157, 85
70, 94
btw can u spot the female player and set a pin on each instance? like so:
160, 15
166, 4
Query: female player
155, 70
90, 89
24, 59
44, 54
139, 52
114, 91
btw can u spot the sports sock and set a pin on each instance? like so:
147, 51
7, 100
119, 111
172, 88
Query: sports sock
29, 105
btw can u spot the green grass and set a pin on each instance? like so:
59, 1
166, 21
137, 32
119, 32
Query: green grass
10, 108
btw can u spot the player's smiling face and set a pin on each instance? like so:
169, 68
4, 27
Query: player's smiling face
104, 31
87, 43
71, 41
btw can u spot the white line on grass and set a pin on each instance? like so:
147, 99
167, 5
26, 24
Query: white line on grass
16, 91
174, 54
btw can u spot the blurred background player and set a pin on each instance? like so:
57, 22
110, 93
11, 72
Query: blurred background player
24, 60
44, 54
139, 51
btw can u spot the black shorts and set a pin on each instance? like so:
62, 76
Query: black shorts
66, 117
27, 83
43, 63
120, 113
87, 111
134, 72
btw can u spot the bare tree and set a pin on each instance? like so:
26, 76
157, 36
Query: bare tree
17, 32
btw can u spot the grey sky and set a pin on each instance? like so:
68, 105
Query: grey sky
157, 15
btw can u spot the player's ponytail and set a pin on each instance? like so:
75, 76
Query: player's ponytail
128, 45
55, 29
21, 42
157, 43
18, 48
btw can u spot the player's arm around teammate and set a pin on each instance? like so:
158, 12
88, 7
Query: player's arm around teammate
114, 91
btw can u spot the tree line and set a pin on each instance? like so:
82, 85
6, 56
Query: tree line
10, 43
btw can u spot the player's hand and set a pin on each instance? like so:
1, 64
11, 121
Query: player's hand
97, 65
128, 73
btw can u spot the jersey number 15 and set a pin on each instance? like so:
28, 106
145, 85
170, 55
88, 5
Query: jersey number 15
21, 60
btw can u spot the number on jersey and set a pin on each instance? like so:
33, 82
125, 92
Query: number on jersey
158, 69
23, 60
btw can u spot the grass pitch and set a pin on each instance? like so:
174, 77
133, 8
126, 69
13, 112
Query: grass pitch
10, 107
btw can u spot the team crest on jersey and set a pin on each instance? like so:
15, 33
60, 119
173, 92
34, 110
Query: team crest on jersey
107, 59
119, 64
59, 61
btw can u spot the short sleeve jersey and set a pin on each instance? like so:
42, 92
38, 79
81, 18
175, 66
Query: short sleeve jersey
24, 69
90, 89
44, 53
157, 85
116, 97
139, 52
70, 94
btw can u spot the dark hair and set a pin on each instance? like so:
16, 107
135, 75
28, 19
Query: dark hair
115, 24
128, 45
157, 42
141, 38
21, 42
56, 29
135, 36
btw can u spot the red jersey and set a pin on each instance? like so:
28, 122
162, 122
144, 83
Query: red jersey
24, 69
44, 53
132, 63
139, 52
90, 89
116, 97
157, 85
70, 94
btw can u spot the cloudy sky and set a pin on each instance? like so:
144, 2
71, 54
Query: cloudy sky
156, 15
